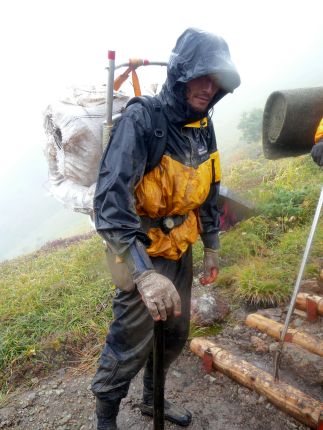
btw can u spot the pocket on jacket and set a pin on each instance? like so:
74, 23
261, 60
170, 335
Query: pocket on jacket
120, 274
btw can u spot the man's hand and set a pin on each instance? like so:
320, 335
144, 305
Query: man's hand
317, 153
159, 295
210, 266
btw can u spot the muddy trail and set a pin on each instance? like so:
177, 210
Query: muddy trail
63, 400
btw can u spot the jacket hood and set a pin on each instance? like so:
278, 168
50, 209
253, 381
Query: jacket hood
196, 53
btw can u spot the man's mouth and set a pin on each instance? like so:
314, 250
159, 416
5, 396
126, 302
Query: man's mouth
204, 99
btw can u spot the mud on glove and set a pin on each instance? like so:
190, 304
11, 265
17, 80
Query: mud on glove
317, 153
210, 266
159, 295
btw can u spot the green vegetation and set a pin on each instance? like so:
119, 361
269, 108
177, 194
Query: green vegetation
262, 255
53, 304
56, 305
196, 331
251, 125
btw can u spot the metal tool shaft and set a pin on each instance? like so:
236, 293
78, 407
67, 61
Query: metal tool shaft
297, 285
107, 125
158, 374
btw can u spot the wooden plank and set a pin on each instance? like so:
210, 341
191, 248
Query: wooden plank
274, 329
291, 400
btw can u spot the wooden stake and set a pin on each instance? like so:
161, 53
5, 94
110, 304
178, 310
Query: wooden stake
274, 329
289, 399
301, 302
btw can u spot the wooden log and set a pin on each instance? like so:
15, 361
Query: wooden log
290, 120
291, 400
301, 302
274, 329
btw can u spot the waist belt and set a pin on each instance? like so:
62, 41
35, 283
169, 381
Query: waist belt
166, 224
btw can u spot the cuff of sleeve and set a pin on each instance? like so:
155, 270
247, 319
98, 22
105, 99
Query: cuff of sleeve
210, 240
137, 259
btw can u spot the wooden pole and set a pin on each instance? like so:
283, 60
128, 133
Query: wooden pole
289, 399
274, 329
158, 372
290, 120
301, 301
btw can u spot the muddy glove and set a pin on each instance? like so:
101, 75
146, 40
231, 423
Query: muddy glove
210, 266
317, 153
159, 295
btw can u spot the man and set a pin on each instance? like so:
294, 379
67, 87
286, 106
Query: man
150, 219
317, 150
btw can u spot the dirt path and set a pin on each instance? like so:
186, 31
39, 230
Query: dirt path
63, 401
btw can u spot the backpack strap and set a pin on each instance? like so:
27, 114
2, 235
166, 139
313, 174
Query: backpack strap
157, 140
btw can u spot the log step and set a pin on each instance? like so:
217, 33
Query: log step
304, 299
291, 400
274, 329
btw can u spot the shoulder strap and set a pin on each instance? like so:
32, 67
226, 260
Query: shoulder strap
158, 138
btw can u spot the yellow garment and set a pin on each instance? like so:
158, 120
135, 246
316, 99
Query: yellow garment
172, 188
319, 132
198, 124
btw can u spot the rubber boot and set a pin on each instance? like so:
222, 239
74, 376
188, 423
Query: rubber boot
175, 414
106, 414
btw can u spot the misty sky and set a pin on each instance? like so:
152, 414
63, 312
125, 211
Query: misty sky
47, 45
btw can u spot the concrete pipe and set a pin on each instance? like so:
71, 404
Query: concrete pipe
290, 120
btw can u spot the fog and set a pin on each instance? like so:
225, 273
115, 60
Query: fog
49, 45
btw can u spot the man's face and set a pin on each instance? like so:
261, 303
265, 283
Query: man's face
200, 92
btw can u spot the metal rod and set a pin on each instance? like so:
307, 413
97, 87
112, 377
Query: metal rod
110, 83
107, 125
144, 63
297, 286
158, 374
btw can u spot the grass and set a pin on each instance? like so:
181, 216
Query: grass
197, 331
270, 280
262, 255
56, 304
52, 303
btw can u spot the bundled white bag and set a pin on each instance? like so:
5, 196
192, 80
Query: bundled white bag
73, 126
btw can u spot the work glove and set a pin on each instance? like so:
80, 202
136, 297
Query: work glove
210, 266
159, 295
317, 153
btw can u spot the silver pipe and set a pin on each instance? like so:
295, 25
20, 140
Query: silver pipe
110, 83
144, 63
107, 124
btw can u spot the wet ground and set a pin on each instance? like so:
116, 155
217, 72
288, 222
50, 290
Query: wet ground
63, 401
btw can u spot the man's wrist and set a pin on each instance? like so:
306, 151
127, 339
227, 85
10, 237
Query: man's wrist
137, 279
137, 259
210, 240
211, 251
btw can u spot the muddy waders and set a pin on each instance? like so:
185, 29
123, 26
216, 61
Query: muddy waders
129, 346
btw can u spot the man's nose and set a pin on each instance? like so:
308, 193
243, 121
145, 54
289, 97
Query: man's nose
209, 86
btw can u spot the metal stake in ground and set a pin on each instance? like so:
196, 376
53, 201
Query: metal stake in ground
297, 286
158, 355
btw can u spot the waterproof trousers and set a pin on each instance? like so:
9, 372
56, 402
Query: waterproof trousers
128, 346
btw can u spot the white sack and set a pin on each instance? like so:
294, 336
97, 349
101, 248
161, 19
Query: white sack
73, 127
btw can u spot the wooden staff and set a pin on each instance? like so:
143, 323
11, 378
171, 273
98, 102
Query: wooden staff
158, 374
